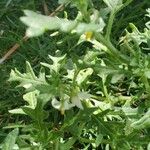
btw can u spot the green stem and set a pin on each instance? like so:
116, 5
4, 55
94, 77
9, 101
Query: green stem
105, 90
109, 26
112, 17
106, 41
112, 50
103, 127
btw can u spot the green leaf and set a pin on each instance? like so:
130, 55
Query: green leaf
57, 63
116, 78
10, 140
104, 71
135, 35
44, 98
68, 144
104, 126
29, 81
37, 114
143, 122
129, 111
17, 111
83, 74
31, 98
30, 112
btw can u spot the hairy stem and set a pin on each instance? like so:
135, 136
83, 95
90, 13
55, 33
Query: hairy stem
109, 26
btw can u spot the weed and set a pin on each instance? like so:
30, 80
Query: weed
92, 93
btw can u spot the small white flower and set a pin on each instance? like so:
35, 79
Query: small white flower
27, 86
66, 104
62, 105
76, 100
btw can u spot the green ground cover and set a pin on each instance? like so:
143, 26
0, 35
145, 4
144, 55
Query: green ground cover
88, 87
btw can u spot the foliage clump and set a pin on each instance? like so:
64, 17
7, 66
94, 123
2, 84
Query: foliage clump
97, 97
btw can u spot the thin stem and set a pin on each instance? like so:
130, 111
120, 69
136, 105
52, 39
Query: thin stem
112, 50
112, 17
109, 26
105, 90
